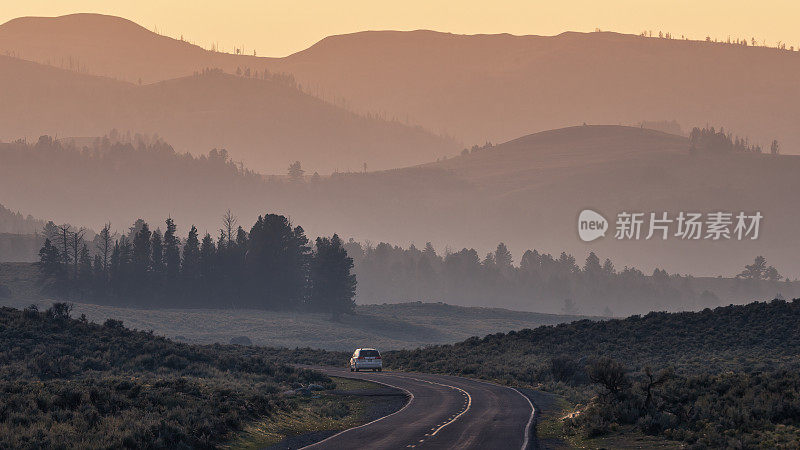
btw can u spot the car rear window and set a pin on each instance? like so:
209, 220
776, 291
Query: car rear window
369, 353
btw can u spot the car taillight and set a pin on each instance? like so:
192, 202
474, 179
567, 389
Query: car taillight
360, 357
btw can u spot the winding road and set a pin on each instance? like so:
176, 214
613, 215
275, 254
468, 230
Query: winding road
443, 412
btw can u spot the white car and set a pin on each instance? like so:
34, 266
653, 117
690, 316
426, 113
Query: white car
365, 359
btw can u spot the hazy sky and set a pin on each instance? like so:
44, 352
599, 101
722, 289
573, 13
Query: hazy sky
277, 28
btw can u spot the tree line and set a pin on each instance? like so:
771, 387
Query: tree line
14, 222
273, 266
389, 273
709, 140
753, 42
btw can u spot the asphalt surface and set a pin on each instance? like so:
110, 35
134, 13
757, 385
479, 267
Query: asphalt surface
443, 412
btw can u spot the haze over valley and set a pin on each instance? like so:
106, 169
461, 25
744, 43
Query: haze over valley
268, 122
393, 239
525, 193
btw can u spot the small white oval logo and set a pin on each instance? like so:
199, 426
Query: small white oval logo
591, 225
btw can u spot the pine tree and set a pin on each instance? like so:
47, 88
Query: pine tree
241, 238
277, 263
104, 246
296, 171
125, 265
158, 268
207, 264
172, 259
429, 251
225, 267
756, 270
64, 233
608, 267
114, 270
142, 255
237, 251
99, 278
51, 267
76, 242
502, 256
592, 265
530, 262
85, 271
333, 283
190, 269
122, 268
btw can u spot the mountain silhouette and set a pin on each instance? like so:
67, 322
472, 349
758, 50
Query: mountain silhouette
527, 193
476, 88
267, 123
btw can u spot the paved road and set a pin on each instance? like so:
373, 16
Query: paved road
443, 412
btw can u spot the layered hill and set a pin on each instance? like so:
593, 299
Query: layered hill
267, 123
526, 193
499, 87
477, 88
110, 46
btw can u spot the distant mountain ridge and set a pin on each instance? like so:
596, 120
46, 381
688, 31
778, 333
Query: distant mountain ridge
498, 87
476, 88
267, 123
105, 45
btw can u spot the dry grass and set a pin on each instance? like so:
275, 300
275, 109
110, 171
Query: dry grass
388, 326
327, 413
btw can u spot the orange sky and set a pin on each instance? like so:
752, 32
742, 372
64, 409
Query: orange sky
277, 28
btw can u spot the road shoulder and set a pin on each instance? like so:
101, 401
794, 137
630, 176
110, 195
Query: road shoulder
321, 415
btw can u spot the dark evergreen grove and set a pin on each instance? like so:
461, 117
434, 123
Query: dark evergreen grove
710, 140
273, 266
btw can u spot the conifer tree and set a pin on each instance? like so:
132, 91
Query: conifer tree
190, 268
172, 258
502, 256
277, 263
208, 256
51, 267
85, 271
142, 255
99, 278
158, 268
333, 283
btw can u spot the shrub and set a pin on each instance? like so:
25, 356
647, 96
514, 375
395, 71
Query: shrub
71, 384
241, 340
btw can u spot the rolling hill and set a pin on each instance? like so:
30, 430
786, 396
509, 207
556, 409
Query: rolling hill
725, 377
267, 123
529, 191
80, 384
499, 87
526, 193
110, 46
476, 88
